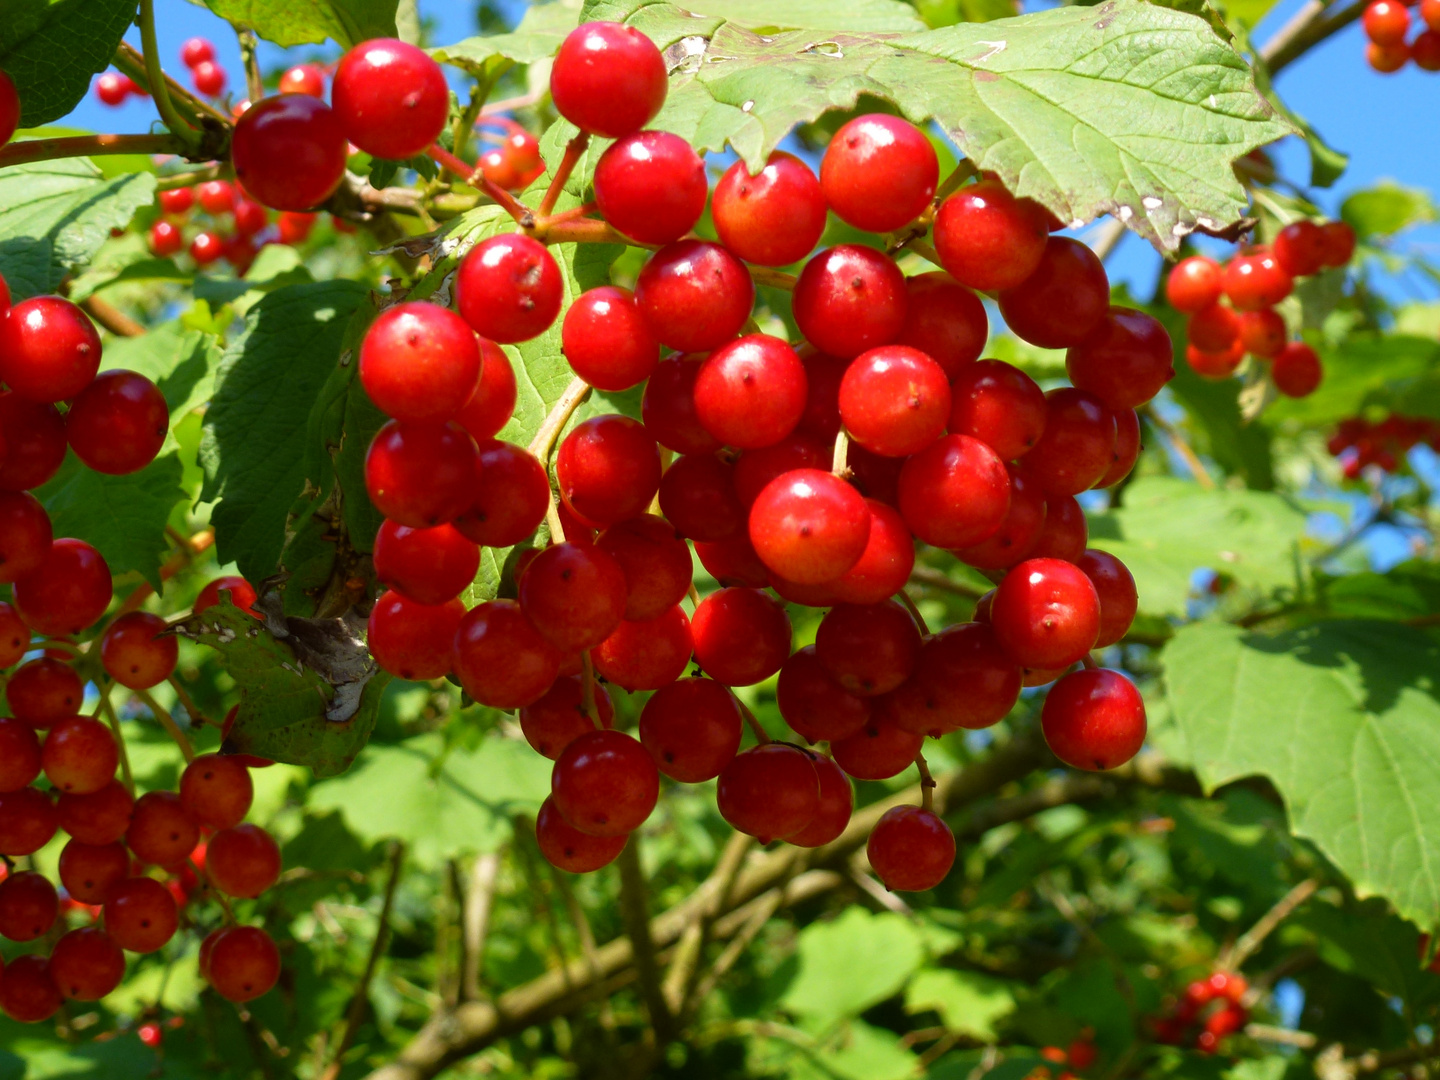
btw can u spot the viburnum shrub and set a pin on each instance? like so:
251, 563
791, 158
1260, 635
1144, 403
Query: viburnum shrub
706, 451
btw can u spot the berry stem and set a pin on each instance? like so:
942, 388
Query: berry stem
1089, 662
254, 82
114, 722
472, 175
556, 419
158, 89
755, 729
587, 689
583, 231
20, 153
914, 611
1181, 447
168, 723
196, 716
927, 783
128, 60
111, 318
964, 170
925, 250
574, 150
465, 122
776, 279
840, 458
204, 876
575, 213
62, 646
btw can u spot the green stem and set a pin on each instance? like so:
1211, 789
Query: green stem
163, 105
20, 153
168, 723
114, 720
254, 83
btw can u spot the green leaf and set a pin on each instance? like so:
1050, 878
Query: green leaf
866, 1052
1343, 719
291, 710
1386, 209
1393, 372
1169, 528
1371, 941
851, 963
856, 16
286, 23
178, 360
123, 517
51, 48
275, 266
538, 36
140, 267
1126, 108
55, 215
967, 1002
254, 444
442, 805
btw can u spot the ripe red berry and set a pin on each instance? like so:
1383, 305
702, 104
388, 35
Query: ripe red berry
512, 494
837, 802
500, 659
27, 821
49, 350
998, 404
1127, 448
1299, 248
605, 339
206, 248
692, 729
216, 791
733, 562
413, 641
944, 320
1094, 719
100, 817
879, 172
1064, 301
569, 849
242, 861
289, 151
88, 871
1124, 362
773, 218
1337, 243
754, 469
608, 79
86, 964
140, 914
1296, 371
9, 108
656, 564
1078, 444
849, 299
651, 186
1194, 284
1019, 531
79, 755
515, 163
166, 239
1430, 13
987, 239
43, 691
741, 636
770, 792
421, 474
1214, 329
608, 469
35, 442
216, 197
243, 963
646, 655
250, 218
751, 392
28, 993
420, 361
559, 717
878, 751
161, 830
135, 654
28, 905
809, 526
894, 400
605, 784
112, 88
1115, 587
1425, 50
209, 78
955, 492
196, 50
868, 649
884, 566
508, 288
911, 849
1046, 614
1386, 22
19, 754
25, 536
694, 295
14, 636
303, 79
118, 423
428, 566
816, 706
240, 591
963, 679
1255, 281
390, 98
574, 596
668, 408
1262, 333
698, 497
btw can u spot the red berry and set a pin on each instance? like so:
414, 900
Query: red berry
1386, 22
515, 163
569, 849
823, 374
559, 717
135, 654
770, 792
216, 197
151, 1034
655, 561
43, 691
112, 88
1213, 329
250, 218
750, 392
869, 649
25, 536
428, 566
100, 817
878, 751
420, 361
1296, 371
668, 408
28, 906
1125, 362
512, 494
88, 871
651, 186
166, 239
694, 295
1337, 243
27, 821
242, 861
196, 50
816, 706
773, 218
894, 400
118, 423
140, 914
884, 566
19, 754
294, 228
963, 679
289, 151
809, 526
1215, 366
1194, 284
240, 591
608, 79
698, 497
243, 963
14, 636
49, 350
741, 636
733, 562
1046, 613
879, 172
573, 595
79, 755
86, 964
1019, 531
303, 79
910, 849
605, 784
837, 802
1299, 248
206, 248
508, 288
500, 659
1115, 587
209, 78
390, 98
1425, 50
1064, 301
1127, 448
1094, 719
1430, 13
692, 729
955, 492
987, 239
1078, 445
216, 791
35, 442
9, 108
413, 641
605, 339
646, 655
421, 474
1255, 281
998, 404
28, 994
608, 469
849, 299
1262, 333
944, 320
161, 831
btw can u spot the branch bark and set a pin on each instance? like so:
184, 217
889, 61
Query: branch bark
22, 153
635, 910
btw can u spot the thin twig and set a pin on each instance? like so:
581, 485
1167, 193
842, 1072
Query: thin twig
920, 623
159, 91
556, 419
587, 689
254, 82
168, 723
927, 783
840, 456
524, 101
761, 736
130, 60
1233, 958
72, 146
574, 150
356, 1012
111, 317
938, 579
191, 709
681, 978
114, 720
634, 909
1280, 52
475, 177
858, 870
479, 901
1182, 447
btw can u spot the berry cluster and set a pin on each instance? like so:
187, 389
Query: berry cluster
237, 228
207, 76
514, 164
113, 88
1205, 1013
1232, 307
1073, 1059
1358, 442
809, 472
1387, 22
